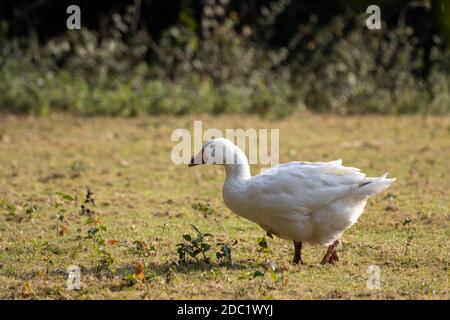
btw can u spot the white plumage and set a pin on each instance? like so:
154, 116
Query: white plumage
312, 202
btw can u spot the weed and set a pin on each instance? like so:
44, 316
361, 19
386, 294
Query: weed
224, 255
142, 249
130, 279
205, 208
8, 209
61, 225
96, 231
47, 250
78, 167
270, 266
271, 269
30, 212
141, 273
193, 246
407, 223
89, 199
263, 245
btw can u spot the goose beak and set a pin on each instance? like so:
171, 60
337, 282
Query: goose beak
198, 159
192, 163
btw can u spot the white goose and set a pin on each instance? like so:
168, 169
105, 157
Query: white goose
312, 202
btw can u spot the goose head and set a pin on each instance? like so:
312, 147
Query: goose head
224, 152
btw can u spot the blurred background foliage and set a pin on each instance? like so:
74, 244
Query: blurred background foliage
269, 57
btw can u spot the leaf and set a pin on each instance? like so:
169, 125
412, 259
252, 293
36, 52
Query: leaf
139, 271
262, 242
196, 229
130, 279
63, 230
65, 196
78, 166
31, 210
92, 231
204, 208
258, 274
187, 237
205, 246
274, 275
407, 221
112, 242
89, 220
140, 245
225, 252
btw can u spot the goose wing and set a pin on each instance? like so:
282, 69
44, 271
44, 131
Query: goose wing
306, 186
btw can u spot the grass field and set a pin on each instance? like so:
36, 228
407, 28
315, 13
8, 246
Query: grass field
125, 245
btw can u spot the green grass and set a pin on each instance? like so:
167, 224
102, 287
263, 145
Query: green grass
141, 196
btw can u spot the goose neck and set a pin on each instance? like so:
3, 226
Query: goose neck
237, 167
238, 171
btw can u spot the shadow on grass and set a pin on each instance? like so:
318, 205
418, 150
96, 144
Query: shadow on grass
159, 269
168, 269
163, 268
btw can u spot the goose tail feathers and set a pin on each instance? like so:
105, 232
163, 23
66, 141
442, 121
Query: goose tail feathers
374, 185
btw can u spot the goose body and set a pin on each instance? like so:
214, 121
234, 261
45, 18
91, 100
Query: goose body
312, 202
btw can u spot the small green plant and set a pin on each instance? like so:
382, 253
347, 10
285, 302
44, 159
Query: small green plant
407, 223
142, 249
197, 247
30, 212
224, 255
205, 208
77, 168
96, 231
141, 273
194, 246
89, 199
263, 244
257, 274
105, 258
271, 269
47, 250
130, 279
60, 204
8, 209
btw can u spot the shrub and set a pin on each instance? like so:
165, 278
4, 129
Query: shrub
221, 65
